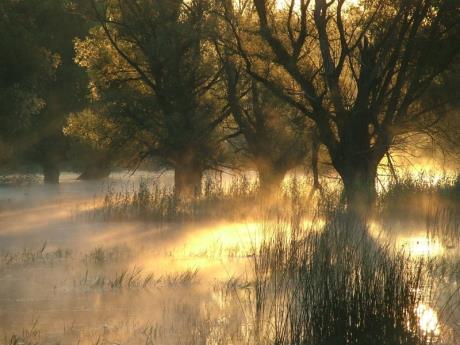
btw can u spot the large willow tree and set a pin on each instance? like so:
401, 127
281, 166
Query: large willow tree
39, 81
154, 75
275, 135
358, 71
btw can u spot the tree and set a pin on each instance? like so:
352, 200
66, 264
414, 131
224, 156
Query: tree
41, 84
153, 72
275, 138
24, 69
58, 26
95, 144
445, 134
358, 72
275, 133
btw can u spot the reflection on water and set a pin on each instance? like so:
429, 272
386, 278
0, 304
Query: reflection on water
225, 241
66, 292
428, 319
228, 239
413, 241
420, 246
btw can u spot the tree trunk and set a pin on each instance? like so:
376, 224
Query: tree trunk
356, 161
314, 161
359, 187
51, 173
270, 179
187, 181
95, 171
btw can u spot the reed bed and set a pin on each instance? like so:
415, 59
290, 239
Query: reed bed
305, 285
240, 199
338, 286
150, 202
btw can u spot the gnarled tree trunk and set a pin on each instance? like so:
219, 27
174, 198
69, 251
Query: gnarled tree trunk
359, 179
95, 171
51, 172
270, 178
187, 181
356, 161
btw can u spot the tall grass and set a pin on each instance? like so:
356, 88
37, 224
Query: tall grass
240, 199
136, 278
154, 203
335, 287
404, 198
29, 256
308, 286
443, 224
427, 201
411, 197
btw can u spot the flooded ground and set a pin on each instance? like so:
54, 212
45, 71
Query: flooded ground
75, 278
69, 278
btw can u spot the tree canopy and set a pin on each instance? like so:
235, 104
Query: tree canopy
358, 72
40, 83
198, 84
153, 72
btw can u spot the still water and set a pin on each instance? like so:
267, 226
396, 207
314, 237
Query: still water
67, 278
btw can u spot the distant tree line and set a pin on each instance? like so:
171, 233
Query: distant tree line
198, 85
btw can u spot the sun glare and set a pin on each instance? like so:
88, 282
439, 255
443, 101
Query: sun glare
420, 246
428, 319
416, 244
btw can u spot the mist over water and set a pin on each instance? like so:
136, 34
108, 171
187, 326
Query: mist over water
69, 276
301, 180
59, 267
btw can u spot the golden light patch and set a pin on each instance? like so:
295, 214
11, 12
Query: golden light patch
420, 246
428, 319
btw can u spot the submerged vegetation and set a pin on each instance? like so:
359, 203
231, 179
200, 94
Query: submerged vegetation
273, 138
311, 273
156, 203
425, 196
337, 284
338, 287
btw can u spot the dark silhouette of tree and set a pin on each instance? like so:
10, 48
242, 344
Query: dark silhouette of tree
25, 67
359, 72
275, 138
154, 73
93, 150
276, 134
445, 134
40, 82
67, 92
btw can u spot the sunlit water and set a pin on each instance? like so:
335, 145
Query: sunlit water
428, 319
412, 239
59, 272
